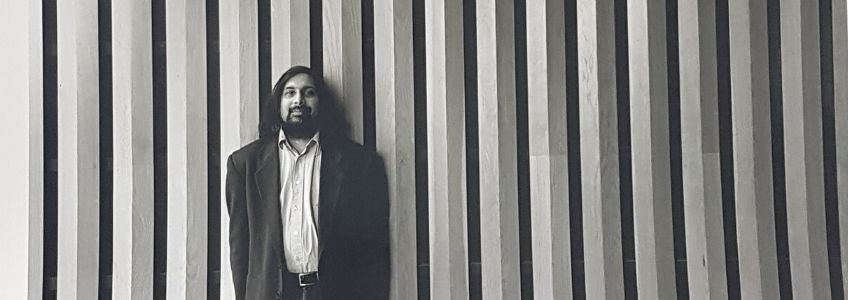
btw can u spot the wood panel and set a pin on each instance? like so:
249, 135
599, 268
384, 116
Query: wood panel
699, 136
751, 107
132, 114
185, 36
79, 151
22, 168
446, 155
290, 38
496, 102
599, 150
239, 102
35, 230
649, 131
395, 115
839, 20
802, 130
342, 63
548, 149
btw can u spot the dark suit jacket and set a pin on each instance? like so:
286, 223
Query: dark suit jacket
353, 229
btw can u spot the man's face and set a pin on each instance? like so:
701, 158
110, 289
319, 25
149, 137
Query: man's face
299, 103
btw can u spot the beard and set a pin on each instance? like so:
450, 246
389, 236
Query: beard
303, 126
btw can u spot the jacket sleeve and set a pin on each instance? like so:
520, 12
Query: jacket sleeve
239, 230
380, 261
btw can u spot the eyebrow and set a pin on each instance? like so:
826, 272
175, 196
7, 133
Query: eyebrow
293, 88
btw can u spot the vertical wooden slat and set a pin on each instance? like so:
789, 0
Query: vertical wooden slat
35, 246
132, 112
446, 153
749, 73
802, 119
239, 102
23, 169
342, 64
35, 282
394, 111
599, 150
839, 12
290, 38
498, 152
548, 143
78, 144
650, 149
187, 149
700, 150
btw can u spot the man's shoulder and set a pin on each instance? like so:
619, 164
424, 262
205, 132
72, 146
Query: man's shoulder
355, 149
248, 151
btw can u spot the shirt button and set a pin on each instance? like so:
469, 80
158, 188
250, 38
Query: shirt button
295, 233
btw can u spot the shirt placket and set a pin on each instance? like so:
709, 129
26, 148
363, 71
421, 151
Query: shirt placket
297, 201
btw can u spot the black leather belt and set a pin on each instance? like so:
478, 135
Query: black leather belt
307, 279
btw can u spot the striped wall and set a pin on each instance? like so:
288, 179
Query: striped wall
536, 149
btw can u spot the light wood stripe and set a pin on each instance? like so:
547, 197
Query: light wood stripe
132, 115
35, 246
342, 41
650, 149
185, 35
290, 38
395, 114
548, 143
498, 150
839, 11
239, 103
599, 150
79, 151
752, 149
700, 150
21, 169
446, 150
802, 130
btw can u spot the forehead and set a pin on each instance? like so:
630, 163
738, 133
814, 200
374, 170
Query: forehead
300, 81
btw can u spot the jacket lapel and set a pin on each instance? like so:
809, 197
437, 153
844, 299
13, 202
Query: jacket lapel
332, 175
268, 185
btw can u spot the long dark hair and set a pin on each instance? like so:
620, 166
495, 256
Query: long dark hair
330, 119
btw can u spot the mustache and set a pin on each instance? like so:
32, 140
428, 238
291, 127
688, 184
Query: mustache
302, 108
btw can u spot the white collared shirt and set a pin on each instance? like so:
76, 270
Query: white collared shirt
300, 175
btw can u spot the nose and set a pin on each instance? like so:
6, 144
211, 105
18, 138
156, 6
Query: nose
298, 99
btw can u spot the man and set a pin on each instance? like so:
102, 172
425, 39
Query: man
308, 207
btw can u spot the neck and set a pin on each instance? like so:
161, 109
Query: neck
299, 133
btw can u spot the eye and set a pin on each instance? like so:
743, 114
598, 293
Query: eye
289, 93
310, 93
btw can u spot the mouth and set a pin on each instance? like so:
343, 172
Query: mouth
299, 111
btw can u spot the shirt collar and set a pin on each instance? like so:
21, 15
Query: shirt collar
282, 139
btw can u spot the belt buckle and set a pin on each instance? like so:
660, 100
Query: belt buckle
307, 279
